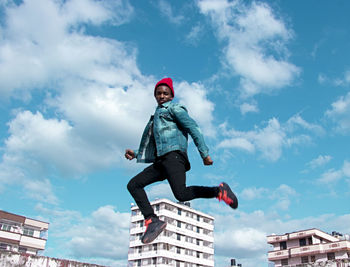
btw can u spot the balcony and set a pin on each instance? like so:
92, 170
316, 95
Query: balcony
276, 238
10, 235
278, 255
32, 242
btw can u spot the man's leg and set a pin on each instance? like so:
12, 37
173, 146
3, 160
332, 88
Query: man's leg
136, 188
154, 226
175, 170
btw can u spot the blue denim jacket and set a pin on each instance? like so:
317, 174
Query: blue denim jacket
171, 125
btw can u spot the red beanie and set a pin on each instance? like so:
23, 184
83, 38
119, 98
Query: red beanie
166, 81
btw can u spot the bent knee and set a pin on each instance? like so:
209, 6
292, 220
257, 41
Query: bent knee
181, 197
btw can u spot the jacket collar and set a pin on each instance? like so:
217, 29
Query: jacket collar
164, 105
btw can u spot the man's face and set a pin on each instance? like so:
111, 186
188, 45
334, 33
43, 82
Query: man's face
163, 94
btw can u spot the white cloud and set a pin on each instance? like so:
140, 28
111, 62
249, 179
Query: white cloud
281, 195
199, 107
340, 114
332, 176
251, 32
297, 121
319, 161
167, 11
40, 46
79, 234
248, 107
270, 140
195, 34
254, 193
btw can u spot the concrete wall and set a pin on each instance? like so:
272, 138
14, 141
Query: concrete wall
13, 259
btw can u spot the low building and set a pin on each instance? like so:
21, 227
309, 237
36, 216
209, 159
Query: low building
187, 241
22, 234
308, 247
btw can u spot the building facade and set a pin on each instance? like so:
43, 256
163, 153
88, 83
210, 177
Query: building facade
309, 247
21, 234
187, 241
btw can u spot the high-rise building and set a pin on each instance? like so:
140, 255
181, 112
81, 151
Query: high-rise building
22, 234
187, 241
309, 247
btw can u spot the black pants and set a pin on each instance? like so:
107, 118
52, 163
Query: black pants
172, 166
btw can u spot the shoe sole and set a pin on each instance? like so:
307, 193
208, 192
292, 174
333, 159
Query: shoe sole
155, 235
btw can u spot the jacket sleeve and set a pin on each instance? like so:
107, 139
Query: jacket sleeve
189, 125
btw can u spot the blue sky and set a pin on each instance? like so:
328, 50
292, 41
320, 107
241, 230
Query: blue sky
267, 81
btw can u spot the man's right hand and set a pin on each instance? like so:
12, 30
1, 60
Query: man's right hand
129, 154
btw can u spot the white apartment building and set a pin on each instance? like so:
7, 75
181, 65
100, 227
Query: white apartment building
21, 234
309, 248
187, 241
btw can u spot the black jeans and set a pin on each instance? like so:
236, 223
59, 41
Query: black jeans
172, 166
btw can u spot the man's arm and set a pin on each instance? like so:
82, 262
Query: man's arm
189, 125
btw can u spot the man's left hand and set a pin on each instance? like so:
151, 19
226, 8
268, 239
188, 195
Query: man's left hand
208, 161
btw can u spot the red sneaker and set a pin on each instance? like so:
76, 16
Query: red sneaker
226, 194
154, 227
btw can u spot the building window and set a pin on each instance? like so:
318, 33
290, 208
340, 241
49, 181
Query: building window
198, 229
138, 262
302, 242
178, 211
177, 264
305, 259
313, 258
179, 224
155, 247
3, 246
154, 261
178, 250
197, 242
5, 227
28, 232
157, 207
198, 254
22, 250
284, 262
330, 256
178, 237
310, 240
283, 245
198, 217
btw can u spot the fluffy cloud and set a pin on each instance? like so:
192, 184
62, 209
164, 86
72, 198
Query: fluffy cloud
42, 42
332, 176
251, 32
340, 114
319, 161
167, 11
105, 226
270, 140
200, 107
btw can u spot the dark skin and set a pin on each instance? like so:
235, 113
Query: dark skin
163, 94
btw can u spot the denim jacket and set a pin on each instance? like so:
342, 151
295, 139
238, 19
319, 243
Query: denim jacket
167, 130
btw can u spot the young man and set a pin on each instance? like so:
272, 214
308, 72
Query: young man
164, 143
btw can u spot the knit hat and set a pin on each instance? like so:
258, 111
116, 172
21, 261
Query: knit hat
166, 81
